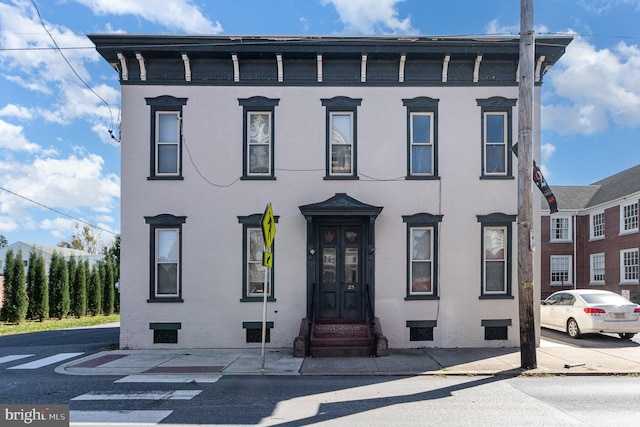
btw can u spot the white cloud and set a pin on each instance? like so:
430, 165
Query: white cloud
598, 87
546, 151
371, 16
69, 184
16, 111
176, 14
12, 138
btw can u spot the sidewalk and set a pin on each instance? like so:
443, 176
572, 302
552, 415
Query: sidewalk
207, 365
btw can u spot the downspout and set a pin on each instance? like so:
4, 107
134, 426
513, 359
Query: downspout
575, 234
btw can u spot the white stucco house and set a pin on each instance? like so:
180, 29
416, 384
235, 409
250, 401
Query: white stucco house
388, 164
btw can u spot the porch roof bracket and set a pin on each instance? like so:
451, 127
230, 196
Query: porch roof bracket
403, 59
538, 68
319, 65
187, 67
236, 68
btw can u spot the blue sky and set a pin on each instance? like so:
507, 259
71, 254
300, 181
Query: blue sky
59, 166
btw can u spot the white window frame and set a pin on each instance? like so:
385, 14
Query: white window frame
269, 144
597, 269
158, 262
160, 143
629, 217
629, 268
504, 260
428, 259
350, 143
553, 268
430, 144
505, 141
553, 222
596, 225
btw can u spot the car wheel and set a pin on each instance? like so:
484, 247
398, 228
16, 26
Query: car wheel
626, 335
572, 328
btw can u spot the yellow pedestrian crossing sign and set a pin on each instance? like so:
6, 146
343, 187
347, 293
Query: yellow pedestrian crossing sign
268, 227
267, 259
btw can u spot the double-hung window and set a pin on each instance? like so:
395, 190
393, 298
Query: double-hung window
253, 272
496, 255
258, 136
560, 270
422, 255
596, 221
166, 137
597, 268
629, 218
342, 137
422, 127
496, 137
629, 266
165, 272
560, 229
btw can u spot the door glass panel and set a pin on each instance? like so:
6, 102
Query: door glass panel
351, 265
329, 265
351, 236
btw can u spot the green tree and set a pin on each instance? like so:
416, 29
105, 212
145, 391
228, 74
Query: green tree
83, 239
30, 280
16, 304
78, 287
113, 255
3, 241
109, 289
9, 260
39, 298
94, 291
58, 286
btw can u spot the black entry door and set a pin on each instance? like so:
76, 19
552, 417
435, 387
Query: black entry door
341, 268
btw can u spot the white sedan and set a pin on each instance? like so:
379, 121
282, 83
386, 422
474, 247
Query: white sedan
583, 311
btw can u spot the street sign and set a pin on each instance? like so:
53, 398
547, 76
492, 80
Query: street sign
267, 259
268, 227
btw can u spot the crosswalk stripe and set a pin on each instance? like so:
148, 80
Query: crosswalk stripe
12, 357
109, 418
153, 378
143, 395
46, 361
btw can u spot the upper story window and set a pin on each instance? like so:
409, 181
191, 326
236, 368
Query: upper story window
166, 137
496, 255
560, 229
496, 137
422, 137
341, 137
596, 221
165, 284
629, 217
258, 136
422, 255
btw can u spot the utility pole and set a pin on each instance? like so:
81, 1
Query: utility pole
525, 196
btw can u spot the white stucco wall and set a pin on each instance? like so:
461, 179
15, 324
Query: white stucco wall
212, 314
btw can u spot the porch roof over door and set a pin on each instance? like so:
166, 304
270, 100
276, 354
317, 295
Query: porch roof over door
340, 205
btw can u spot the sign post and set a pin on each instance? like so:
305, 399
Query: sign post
268, 233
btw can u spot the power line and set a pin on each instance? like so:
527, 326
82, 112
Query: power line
59, 212
74, 70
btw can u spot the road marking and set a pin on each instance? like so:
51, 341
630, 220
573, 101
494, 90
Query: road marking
12, 357
46, 361
169, 378
142, 395
109, 418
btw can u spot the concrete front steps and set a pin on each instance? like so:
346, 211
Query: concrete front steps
341, 338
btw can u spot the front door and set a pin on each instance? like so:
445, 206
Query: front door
341, 271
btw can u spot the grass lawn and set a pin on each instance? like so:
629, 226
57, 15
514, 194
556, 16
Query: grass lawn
51, 324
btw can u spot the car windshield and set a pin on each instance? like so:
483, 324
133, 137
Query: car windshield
605, 299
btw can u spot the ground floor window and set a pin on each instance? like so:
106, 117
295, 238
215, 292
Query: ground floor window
597, 268
561, 270
165, 284
629, 266
253, 272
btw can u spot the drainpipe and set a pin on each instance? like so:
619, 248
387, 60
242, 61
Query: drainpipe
575, 234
